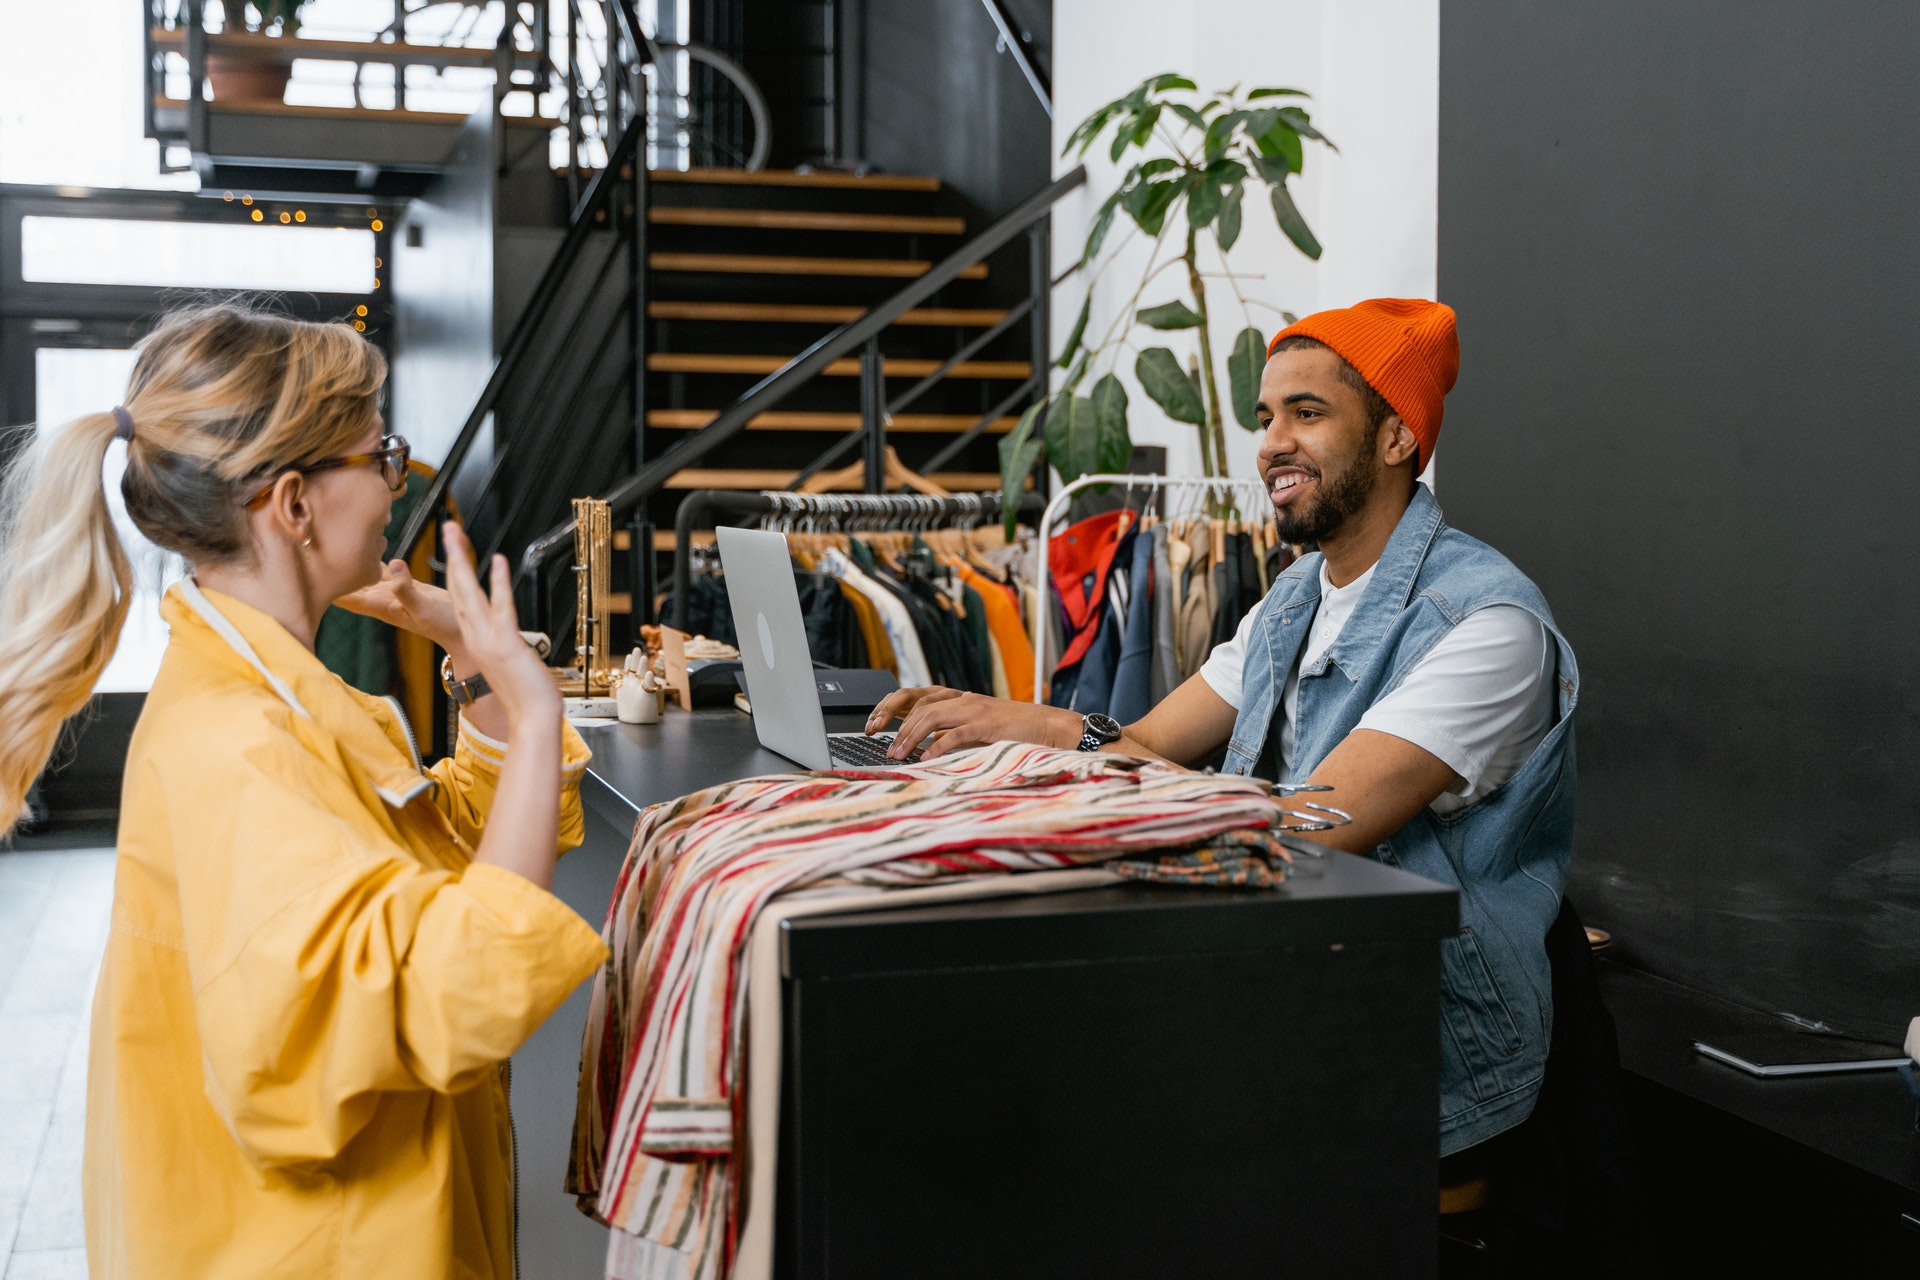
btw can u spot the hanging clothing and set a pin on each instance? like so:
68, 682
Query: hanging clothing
833, 632
1079, 562
910, 660
1166, 603
1132, 695
1008, 632
1195, 623
662, 1070
1087, 685
309, 986
873, 634
1226, 595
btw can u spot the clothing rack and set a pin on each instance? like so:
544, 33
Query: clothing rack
703, 507
1249, 495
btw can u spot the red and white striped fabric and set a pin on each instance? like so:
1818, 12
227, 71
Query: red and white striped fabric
661, 1066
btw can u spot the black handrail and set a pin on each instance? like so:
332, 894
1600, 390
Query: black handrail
1010, 41
776, 386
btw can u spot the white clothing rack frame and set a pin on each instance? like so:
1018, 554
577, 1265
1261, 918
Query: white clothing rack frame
1249, 495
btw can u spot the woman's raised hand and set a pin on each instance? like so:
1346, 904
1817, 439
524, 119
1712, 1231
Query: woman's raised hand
489, 636
401, 600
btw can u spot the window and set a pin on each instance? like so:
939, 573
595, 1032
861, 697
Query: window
206, 255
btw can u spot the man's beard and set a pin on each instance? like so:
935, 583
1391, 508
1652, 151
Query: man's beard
1341, 494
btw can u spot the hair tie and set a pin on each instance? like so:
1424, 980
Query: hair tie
125, 430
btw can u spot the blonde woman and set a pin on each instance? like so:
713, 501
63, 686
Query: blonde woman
321, 956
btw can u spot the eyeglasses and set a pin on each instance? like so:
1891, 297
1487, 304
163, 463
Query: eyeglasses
392, 456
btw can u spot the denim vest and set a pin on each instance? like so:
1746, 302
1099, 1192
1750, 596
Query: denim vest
1506, 853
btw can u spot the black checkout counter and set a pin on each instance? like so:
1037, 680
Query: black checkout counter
1148, 1081
1135, 1080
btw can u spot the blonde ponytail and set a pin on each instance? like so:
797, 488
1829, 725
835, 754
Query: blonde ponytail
67, 584
220, 397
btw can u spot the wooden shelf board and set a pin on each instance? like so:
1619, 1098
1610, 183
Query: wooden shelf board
776, 265
265, 48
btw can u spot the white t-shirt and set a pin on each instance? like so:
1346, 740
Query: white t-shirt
1481, 700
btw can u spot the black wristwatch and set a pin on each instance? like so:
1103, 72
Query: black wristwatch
1096, 731
463, 692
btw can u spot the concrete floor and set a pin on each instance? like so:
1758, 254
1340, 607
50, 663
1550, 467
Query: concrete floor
54, 907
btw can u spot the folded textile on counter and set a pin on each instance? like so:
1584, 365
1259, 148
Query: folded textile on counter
662, 1063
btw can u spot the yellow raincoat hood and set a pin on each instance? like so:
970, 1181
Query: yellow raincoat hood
309, 988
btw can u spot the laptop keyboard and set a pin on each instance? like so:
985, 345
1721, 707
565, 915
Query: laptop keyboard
859, 750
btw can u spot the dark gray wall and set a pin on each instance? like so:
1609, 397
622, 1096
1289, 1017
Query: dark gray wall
1681, 241
934, 97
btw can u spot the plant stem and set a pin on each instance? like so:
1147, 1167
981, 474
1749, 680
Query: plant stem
1213, 443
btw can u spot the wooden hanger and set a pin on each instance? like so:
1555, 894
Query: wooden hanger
896, 473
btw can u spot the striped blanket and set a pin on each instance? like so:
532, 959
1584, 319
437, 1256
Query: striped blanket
661, 1067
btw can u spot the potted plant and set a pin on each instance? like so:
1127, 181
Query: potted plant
239, 77
1212, 147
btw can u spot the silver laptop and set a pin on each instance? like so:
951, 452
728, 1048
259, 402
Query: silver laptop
776, 661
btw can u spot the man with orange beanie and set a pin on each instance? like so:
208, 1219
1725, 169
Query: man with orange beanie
1410, 668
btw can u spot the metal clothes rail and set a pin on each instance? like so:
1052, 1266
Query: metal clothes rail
1252, 495
702, 507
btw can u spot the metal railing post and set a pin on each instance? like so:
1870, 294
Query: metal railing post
873, 414
1040, 289
197, 77
573, 103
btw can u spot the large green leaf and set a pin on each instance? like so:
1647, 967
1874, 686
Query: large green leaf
1282, 143
1162, 378
1228, 229
1170, 80
1292, 223
1278, 93
1301, 124
1077, 371
1168, 315
1101, 224
1155, 167
1273, 170
1245, 360
1020, 449
1258, 122
1113, 447
1220, 133
1189, 114
1087, 130
1073, 438
1074, 335
1147, 203
1203, 202
1122, 137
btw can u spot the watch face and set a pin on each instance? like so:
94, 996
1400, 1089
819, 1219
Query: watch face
1105, 727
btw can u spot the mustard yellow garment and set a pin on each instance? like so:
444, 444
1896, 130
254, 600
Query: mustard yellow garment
308, 988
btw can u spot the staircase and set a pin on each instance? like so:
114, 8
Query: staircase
747, 269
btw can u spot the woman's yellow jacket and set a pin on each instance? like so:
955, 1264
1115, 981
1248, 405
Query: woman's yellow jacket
309, 988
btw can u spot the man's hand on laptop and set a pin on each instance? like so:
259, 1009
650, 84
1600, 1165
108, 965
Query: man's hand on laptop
943, 720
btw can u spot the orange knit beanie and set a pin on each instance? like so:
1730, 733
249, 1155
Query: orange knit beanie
1405, 348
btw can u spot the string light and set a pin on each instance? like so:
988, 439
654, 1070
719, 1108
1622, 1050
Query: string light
359, 326
360, 310
228, 197
257, 215
376, 282
299, 215
246, 199
285, 217
379, 225
377, 264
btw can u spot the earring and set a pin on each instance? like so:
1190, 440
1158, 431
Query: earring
308, 544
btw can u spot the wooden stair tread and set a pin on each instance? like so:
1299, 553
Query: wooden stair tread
802, 313
790, 420
792, 178
776, 265
805, 220
713, 478
693, 362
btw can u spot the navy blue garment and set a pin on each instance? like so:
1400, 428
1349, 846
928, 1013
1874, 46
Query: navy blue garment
1133, 673
1087, 686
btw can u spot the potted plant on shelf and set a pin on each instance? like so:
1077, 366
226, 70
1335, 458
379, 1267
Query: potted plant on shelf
239, 77
1212, 149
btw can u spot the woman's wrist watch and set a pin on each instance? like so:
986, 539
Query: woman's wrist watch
1096, 731
463, 692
